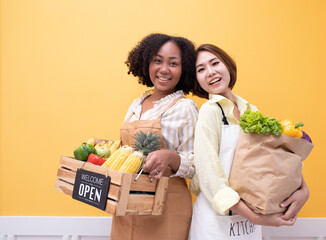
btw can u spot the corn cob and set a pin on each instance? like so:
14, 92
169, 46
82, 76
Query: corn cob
119, 161
132, 163
113, 156
117, 158
115, 146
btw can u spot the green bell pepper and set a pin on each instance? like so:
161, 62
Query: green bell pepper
84, 151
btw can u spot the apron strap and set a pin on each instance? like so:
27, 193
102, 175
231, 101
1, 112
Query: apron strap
171, 104
127, 120
225, 121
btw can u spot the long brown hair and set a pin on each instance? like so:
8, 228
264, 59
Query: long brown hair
225, 58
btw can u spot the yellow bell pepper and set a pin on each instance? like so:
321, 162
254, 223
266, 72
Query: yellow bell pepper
291, 129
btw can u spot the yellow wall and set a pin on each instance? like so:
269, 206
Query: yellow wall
63, 80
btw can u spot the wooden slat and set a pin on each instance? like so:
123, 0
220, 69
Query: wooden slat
124, 193
66, 175
140, 204
135, 212
116, 177
73, 164
64, 187
110, 206
160, 196
70, 163
143, 183
114, 192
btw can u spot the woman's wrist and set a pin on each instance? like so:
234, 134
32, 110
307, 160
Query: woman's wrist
242, 209
174, 161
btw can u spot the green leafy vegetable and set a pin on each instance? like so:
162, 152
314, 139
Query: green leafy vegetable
256, 122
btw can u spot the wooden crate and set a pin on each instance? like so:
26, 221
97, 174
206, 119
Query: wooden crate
126, 196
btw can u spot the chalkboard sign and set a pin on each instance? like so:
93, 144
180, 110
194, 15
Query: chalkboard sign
91, 188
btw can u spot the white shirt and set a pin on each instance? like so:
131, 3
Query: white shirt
177, 126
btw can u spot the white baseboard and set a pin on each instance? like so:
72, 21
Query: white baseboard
98, 228
45, 228
303, 229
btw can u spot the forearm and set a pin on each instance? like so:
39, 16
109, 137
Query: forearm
256, 218
242, 209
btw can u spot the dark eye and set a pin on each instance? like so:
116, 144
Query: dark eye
200, 70
156, 60
215, 63
174, 64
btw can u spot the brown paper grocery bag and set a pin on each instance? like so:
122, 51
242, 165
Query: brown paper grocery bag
267, 169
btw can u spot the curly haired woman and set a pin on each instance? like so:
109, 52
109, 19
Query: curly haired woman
167, 64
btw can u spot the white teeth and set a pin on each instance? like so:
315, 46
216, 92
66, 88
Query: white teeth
215, 81
163, 79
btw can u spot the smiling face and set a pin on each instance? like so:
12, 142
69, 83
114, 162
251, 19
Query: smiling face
165, 69
212, 74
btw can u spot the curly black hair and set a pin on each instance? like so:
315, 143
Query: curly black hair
141, 55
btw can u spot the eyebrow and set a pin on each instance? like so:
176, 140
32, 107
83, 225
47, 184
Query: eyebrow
211, 60
169, 57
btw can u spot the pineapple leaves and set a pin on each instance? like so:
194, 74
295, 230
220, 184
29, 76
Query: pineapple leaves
146, 143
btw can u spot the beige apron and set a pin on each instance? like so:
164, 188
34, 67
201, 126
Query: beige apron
174, 223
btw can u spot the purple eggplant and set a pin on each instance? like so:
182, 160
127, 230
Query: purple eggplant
305, 136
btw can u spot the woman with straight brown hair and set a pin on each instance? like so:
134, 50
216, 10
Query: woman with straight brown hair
218, 212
